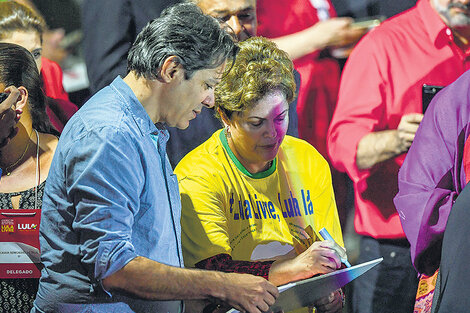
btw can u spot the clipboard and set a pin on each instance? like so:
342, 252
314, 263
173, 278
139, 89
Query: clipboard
303, 293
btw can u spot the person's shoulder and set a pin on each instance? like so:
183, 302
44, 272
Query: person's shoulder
396, 28
295, 143
295, 148
103, 118
49, 142
105, 108
204, 160
402, 19
299, 156
453, 99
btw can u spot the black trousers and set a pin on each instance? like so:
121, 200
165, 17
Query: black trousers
389, 287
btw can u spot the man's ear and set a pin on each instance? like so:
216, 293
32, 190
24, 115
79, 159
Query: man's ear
171, 69
23, 98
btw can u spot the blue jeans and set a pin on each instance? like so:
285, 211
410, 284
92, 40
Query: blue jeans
389, 287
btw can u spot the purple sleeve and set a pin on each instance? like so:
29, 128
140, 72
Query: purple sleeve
432, 175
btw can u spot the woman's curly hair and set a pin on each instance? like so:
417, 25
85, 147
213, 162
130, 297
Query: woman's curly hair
259, 68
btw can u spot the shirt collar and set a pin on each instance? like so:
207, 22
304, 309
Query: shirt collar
162, 133
437, 30
137, 111
439, 33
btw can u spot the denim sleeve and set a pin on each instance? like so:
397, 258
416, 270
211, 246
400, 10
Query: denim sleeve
104, 179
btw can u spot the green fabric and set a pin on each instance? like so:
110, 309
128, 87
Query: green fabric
239, 165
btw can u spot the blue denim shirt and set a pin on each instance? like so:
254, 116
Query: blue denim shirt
110, 196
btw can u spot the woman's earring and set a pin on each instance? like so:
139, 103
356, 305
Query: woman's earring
227, 131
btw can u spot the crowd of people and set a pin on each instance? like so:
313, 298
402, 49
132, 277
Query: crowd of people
212, 149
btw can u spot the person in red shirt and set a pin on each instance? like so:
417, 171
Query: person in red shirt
306, 30
312, 26
21, 25
378, 112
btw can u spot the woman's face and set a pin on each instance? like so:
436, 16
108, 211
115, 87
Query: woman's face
256, 134
30, 40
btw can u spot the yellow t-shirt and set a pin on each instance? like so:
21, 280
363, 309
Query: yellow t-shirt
225, 209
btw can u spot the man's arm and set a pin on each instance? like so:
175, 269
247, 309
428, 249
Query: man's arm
359, 135
380, 146
155, 281
334, 32
430, 178
105, 182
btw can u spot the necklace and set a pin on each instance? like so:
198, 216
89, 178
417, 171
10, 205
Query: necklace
8, 168
38, 180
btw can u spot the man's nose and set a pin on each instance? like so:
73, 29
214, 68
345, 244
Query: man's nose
235, 24
209, 101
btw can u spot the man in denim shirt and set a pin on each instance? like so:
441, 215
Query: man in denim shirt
110, 232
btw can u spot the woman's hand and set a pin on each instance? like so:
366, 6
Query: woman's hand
320, 258
9, 116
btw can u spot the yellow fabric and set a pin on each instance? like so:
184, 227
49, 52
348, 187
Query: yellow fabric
226, 210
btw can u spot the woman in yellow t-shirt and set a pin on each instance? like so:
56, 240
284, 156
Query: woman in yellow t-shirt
252, 197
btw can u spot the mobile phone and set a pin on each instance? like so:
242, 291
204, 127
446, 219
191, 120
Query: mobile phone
3, 96
428, 92
369, 22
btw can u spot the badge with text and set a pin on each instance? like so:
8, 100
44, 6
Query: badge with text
19, 244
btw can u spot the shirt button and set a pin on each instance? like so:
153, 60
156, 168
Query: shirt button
393, 254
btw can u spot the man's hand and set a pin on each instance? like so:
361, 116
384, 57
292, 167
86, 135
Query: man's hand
406, 130
249, 293
335, 32
332, 303
383, 145
9, 116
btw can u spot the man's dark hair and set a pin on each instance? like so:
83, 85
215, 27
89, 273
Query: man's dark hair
18, 68
182, 30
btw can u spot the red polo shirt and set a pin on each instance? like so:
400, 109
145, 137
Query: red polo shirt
381, 82
319, 81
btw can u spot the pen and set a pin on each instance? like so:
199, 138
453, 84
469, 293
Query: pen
326, 236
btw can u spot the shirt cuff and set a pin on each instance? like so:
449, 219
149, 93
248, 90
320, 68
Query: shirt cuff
224, 263
111, 257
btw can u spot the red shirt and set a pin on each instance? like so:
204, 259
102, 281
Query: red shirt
381, 82
59, 108
319, 76
466, 160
